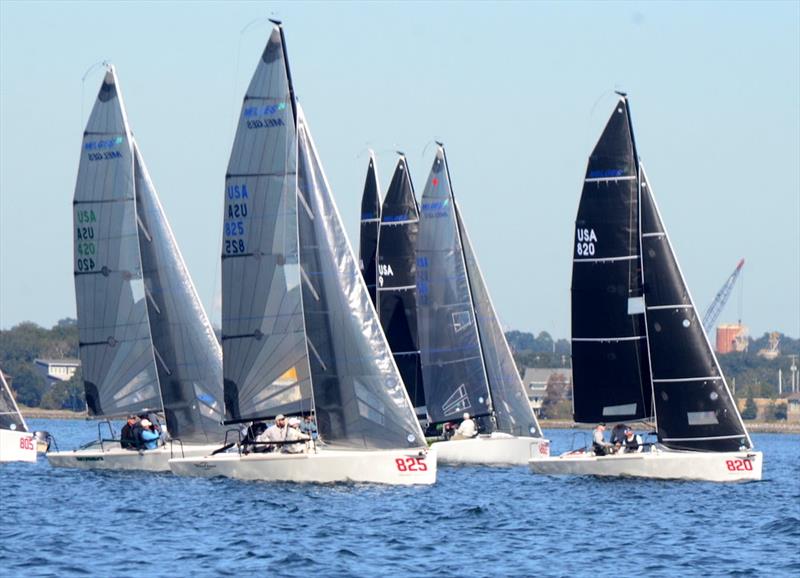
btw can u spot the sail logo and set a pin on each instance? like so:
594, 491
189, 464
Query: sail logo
435, 208
457, 402
585, 245
237, 191
605, 173
103, 144
267, 110
385, 270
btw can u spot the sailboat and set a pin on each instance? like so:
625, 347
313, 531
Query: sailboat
299, 334
639, 351
146, 345
370, 226
17, 444
397, 287
467, 365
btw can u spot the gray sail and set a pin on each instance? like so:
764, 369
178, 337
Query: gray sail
694, 407
10, 417
265, 362
512, 408
359, 396
453, 371
115, 348
188, 356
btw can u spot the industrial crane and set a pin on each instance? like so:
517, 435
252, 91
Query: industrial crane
713, 311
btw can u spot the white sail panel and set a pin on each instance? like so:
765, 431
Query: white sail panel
265, 362
116, 356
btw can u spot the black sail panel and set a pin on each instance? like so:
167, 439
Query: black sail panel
609, 347
188, 356
694, 407
265, 361
370, 226
452, 361
359, 397
116, 352
397, 290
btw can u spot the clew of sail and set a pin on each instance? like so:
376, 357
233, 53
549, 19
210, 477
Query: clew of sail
452, 361
370, 227
117, 360
609, 339
694, 406
397, 289
359, 396
188, 356
265, 360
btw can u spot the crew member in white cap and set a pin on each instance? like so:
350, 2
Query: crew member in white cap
149, 435
293, 433
274, 433
467, 428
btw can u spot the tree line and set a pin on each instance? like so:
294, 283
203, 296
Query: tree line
754, 376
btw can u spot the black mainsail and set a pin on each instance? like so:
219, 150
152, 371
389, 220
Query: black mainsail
370, 227
299, 333
397, 288
639, 348
466, 362
145, 342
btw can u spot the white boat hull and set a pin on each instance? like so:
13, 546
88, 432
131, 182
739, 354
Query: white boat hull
492, 450
660, 464
395, 467
17, 446
110, 456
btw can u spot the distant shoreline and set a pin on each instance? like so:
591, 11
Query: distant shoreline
752, 426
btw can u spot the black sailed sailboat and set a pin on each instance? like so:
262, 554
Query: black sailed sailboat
639, 351
467, 364
397, 287
146, 345
370, 227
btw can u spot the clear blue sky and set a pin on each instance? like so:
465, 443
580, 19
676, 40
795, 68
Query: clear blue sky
518, 93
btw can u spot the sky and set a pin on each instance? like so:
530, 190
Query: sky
518, 92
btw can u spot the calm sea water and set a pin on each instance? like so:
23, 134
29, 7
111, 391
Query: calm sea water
473, 522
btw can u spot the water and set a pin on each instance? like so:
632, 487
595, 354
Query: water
473, 522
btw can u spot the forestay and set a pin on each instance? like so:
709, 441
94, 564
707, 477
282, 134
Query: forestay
265, 361
370, 226
188, 356
115, 349
397, 289
694, 407
609, 348
452, 362
10, 417
359, 397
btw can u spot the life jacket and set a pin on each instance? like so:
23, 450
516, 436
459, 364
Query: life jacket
631, 445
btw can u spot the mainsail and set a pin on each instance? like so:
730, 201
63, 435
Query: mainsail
370, 226
297, 320
464, 351
397, 288
117, 360
188, 356
609, 341
10, 417
694, 407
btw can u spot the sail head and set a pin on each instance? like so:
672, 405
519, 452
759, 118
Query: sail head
370, 226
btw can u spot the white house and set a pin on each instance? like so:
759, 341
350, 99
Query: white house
57, 369
535, 380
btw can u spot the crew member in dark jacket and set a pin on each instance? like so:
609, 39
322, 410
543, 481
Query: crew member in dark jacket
128, 438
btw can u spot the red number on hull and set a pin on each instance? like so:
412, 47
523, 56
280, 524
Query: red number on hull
411, 465
26, 443
739, 465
